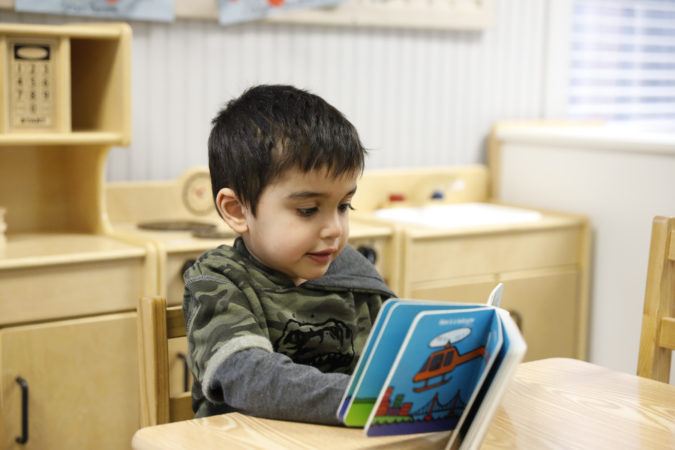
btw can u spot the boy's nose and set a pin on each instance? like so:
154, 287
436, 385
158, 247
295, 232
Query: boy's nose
332, 228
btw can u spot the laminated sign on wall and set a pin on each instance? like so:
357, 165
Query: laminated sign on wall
156, 10
235, 11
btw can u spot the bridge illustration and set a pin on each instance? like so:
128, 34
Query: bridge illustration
434, 409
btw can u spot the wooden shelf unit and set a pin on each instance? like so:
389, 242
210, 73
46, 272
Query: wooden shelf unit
68, 286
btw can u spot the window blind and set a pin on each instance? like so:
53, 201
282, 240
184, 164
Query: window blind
622, 62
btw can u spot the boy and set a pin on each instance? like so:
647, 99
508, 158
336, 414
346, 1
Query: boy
276, 322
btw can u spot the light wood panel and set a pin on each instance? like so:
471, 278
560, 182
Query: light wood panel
565, 403
44, 189
539, 301
657, 341
83, 383
156, 325
472, 254
667, 335
70, 290
143, 201
239, 432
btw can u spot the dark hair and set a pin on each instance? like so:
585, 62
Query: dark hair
270, 129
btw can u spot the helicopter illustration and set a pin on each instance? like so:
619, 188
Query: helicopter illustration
442, 362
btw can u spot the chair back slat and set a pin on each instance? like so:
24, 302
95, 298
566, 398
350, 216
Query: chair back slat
158, 323
175, 324
181, 407
657, 340
667, 335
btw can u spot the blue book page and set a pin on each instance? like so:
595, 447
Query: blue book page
368, 381
437, 373
365, 354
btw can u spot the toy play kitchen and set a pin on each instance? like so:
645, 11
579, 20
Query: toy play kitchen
457, 243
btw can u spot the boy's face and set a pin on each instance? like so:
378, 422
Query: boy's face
301, 223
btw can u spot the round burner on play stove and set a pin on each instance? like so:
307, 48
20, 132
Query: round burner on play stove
177, 225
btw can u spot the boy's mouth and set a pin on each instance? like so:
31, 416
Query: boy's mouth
323, 256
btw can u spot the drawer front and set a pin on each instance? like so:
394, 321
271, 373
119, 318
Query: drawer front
544, 304
83, 382
464, 290
470, 255
547, 310
69, 290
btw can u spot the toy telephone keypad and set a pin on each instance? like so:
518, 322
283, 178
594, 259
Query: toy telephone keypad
197, 194
31, 85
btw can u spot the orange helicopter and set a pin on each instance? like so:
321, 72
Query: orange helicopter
441, 362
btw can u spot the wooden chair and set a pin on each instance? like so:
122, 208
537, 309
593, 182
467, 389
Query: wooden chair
158, 323
658, 321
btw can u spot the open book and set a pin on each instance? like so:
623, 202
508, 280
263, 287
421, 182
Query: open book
434, 366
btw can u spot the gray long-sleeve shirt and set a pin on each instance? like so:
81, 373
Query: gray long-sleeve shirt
261, 345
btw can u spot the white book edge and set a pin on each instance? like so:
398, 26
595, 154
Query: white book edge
488, 408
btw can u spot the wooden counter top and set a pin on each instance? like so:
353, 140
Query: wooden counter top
44, 249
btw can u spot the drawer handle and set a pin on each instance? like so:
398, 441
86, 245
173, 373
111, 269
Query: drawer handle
24, 410
186, 371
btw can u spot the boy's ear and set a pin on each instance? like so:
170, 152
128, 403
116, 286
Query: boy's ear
232, 210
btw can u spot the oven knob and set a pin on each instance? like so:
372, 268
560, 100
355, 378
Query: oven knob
186, 265
368, 252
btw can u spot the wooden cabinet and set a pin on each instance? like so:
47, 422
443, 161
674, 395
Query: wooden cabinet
82, 379
543, 270
539, 302
68, 286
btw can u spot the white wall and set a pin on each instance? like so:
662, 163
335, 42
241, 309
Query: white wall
417, 97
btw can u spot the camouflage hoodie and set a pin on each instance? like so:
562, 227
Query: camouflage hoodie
232, 303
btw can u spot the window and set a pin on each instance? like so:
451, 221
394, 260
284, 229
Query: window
622, 62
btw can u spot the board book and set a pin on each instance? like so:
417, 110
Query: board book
434, 366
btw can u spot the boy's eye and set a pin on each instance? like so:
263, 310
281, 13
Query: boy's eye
344, 207
307, 212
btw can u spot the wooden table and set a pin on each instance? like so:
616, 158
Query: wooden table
561, 403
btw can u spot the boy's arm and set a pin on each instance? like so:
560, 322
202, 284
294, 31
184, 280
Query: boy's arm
276, 387
232, 359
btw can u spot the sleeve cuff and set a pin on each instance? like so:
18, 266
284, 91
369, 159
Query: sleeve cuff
223, 353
